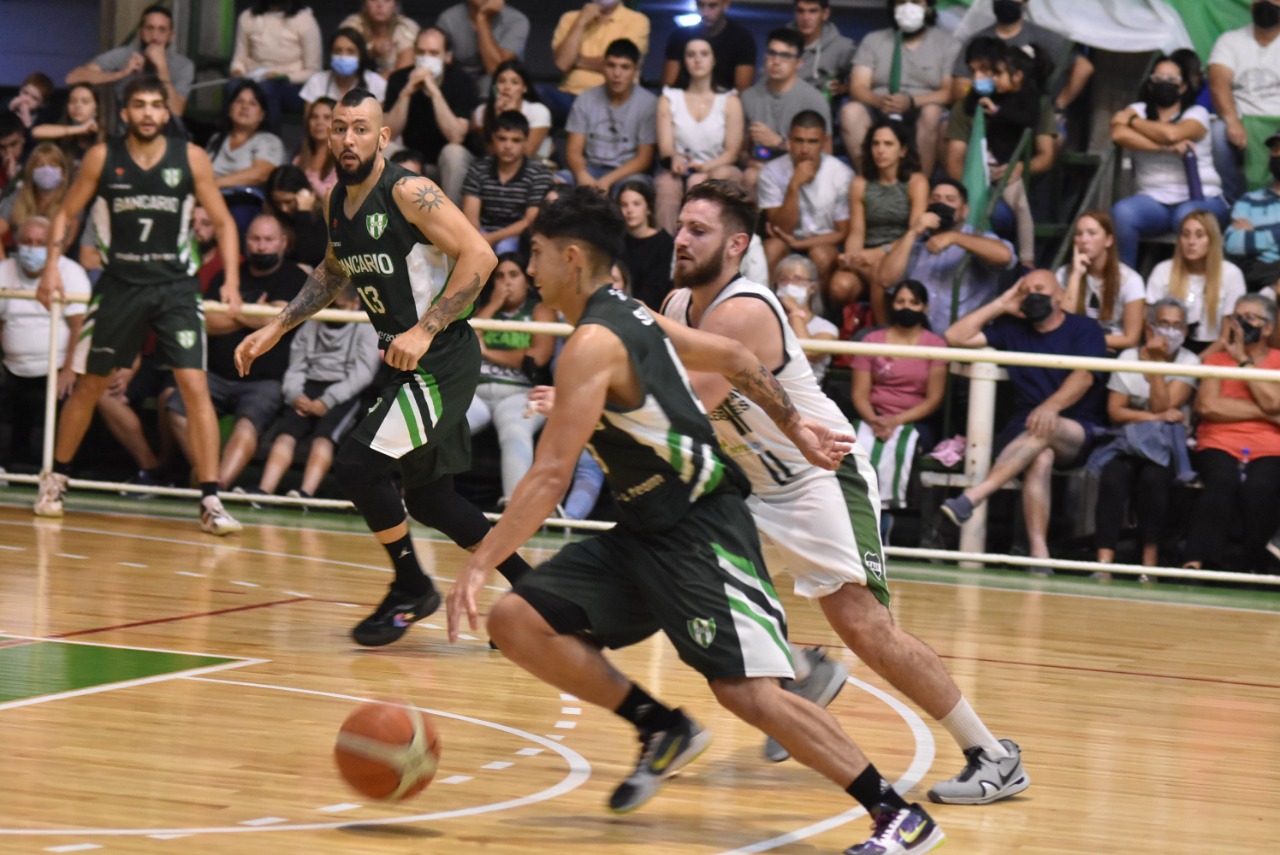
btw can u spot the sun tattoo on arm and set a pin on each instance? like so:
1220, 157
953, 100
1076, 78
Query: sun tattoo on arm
424, 194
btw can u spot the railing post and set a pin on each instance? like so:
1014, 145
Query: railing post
979, 439
51, 385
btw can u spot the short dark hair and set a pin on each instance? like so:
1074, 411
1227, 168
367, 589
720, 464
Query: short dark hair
10, 124
787, 36
825, 4
357, 96
448, 39
951, 182
286, 178
738, 209
155, 9
509, 120
584, 214
408, 154
623, 49
808, 119
988, 48
148, 83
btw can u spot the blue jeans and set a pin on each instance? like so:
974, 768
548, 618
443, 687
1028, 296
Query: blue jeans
1141, 216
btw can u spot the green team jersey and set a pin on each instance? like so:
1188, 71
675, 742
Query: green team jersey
662, 456
142, 217
396, 270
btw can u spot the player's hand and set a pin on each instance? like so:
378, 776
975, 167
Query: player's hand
462, 598
120, 380
541, 400
408, 348
231, 296
820, 445
66, 381
50, 287
256, 344
1043, 421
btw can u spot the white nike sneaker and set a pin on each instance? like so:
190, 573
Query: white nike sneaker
984, 780
52, 488
214, 518
826, 679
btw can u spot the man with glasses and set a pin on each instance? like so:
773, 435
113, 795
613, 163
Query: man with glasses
770, 105
612, 128
732, 45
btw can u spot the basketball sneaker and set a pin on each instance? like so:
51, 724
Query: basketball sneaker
909, 830
394, 616
214, 518
984, 779
826, 679
958, 509
49, 501
662, 754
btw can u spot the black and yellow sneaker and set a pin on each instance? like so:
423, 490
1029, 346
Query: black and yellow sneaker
662, 754
394, 616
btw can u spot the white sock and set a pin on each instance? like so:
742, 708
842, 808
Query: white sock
800, 662
968, 730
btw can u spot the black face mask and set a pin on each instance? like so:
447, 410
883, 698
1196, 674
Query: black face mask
1165, 94
1265, 15
1008, 11
1249, 334
1037, 307
263, 260
945, 214
908, 318
1274, 163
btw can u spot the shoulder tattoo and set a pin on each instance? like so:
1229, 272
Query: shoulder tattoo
423, 193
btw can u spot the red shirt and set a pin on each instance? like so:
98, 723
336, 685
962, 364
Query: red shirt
1260, 436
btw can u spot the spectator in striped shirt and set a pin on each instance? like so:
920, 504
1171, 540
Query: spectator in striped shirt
1253, 238
502, 192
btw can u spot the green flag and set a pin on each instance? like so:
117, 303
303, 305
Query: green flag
977, 177
895, 70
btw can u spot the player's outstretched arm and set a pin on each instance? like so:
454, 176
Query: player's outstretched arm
62, 230
589, 363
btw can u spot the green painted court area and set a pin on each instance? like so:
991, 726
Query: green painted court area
46, 668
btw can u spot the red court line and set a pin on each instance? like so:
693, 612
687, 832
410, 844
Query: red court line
153, 621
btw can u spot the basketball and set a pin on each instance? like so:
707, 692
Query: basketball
387, 751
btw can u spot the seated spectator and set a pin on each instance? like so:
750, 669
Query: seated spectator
265, 279
1099, 286
1199, 277
796, 283
428, 107
612, 127
243, 153
733, 48
13, 144
292, 199
923, 55
513, 90
1253, 238
771, 104
1166, 132
648, 251
699, 132
1016, 32
45, 179
1238, 444
1242, 83
884, 200
804, 198
330, 364
510, 363
205, 236
1058, 411
78, 130
409, 159
580, 43
315, 158
32, 101
502, 192
350, 67
933, 248
896, 397
387, 34
485, 34
24, 338
1134, 398
278, 43
620, 278
827, 57
150, 54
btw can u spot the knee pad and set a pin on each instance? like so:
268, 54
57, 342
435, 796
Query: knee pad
366, 477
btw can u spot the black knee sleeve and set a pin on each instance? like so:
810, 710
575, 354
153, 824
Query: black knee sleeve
366, 477
564, 616
440, 506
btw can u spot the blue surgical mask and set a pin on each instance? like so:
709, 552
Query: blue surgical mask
32, 259
346, 66
984, 86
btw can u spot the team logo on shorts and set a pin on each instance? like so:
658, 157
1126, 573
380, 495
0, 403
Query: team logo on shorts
377, 224
187, 338
172, 176
872, 562
703, 631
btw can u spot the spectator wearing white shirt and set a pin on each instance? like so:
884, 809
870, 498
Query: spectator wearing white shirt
1244, 81
350, 67
24, 335
278, 44
1100, 286
512, 90
1199, 277
804, 197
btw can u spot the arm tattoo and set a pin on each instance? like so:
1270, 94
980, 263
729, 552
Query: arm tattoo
762, 388
424, 194
322, 286
447, 309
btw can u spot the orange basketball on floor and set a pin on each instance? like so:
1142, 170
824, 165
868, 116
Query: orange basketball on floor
387, 751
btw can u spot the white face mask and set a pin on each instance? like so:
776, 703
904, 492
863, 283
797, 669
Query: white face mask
607, 5
1174, 336
909, 17
799, 293
432, 64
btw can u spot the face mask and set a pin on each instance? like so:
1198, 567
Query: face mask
432, 64
945, 214
1266, 15
346, 66
1274, 163
1248, 331
1008, 11
1174, 336
607, 5
47, 177
909, 17
1037, 307
984, 86
1165, 94
263, 260
909, 318
32, 259
799, 293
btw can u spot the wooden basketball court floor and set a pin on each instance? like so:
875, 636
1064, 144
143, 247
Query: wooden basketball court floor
162, 691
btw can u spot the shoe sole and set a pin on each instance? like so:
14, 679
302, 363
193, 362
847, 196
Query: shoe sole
1274, 549
953, 516
221, 531
700, 742
828, 696
935, 839
383, 641
48, 514
1010, 789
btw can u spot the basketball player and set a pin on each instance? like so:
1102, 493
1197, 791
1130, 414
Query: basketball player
147, 187
826, 526
684, 557
417, 265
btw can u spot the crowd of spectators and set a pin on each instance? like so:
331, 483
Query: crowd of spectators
862, 153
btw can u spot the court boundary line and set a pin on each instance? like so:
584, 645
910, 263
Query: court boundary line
188, 673
57, 640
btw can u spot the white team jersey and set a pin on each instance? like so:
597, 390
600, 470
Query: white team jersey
745, 431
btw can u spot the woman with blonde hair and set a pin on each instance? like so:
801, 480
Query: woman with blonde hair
1199, 277
389, 34
45, 180
1100, 286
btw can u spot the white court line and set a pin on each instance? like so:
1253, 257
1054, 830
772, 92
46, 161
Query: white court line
529, 752
129, 647
297, 594
13, 548
71, 555
456, 779
132, 564
566, 725
265, 820
189, 573
73, 847
571, 711
125, 684
167, 836
341, 807
568, 697
247, 584
498, 765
